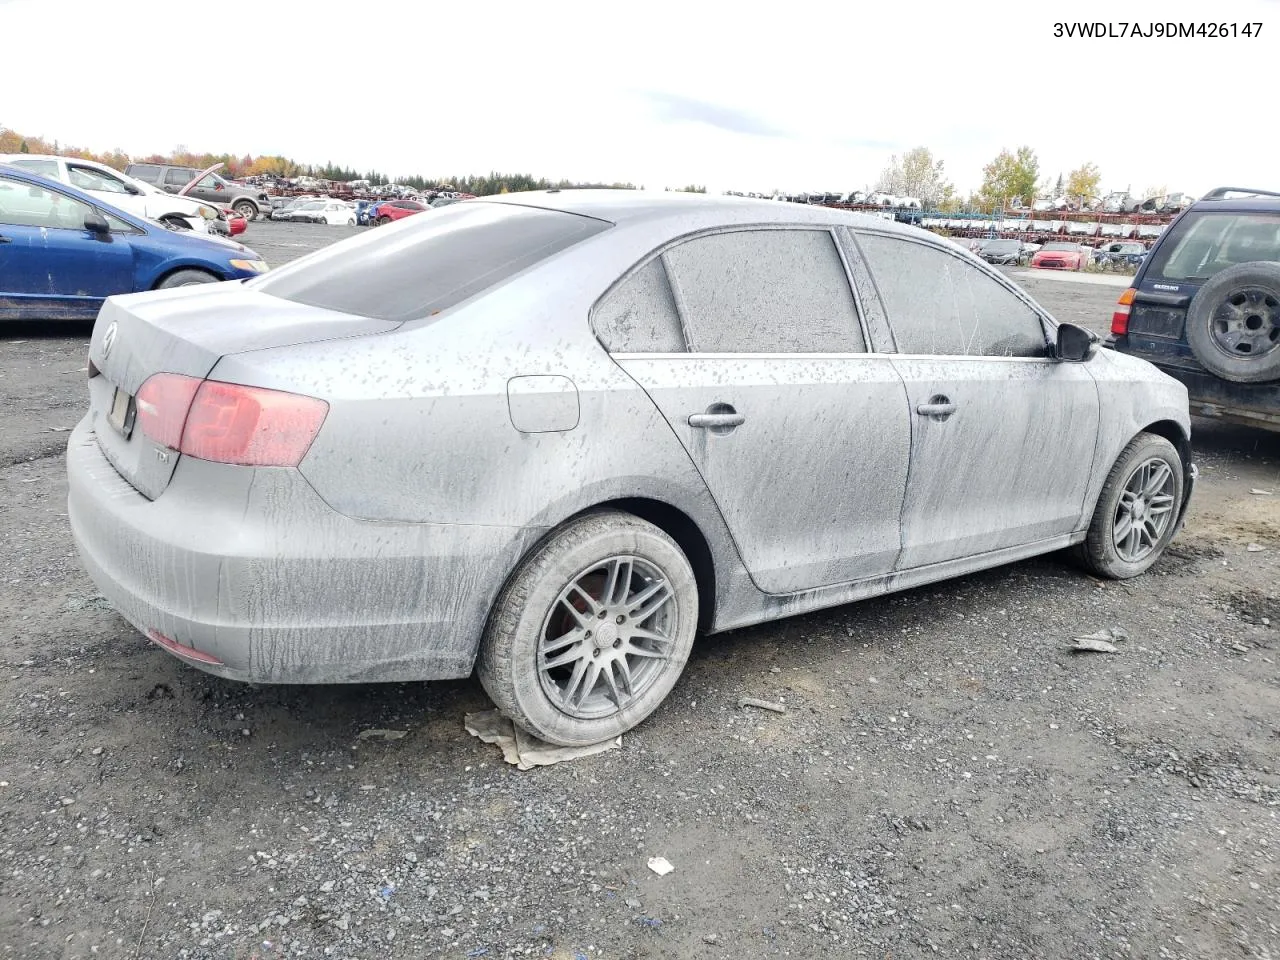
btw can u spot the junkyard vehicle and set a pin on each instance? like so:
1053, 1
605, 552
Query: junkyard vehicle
323, 210
1127, 254
120, 190
206, 185
62, 251
391, 210
1060, 255
1004, 252
584, 424
1205, 306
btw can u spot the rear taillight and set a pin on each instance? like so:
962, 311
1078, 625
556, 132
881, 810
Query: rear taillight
1120, 319
163, 402
227, 422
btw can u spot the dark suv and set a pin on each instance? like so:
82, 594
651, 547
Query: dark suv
249, 202
1205, 306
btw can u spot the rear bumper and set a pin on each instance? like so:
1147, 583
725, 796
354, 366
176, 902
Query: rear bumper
1209, 396
249, 575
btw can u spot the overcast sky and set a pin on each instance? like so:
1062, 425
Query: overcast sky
797, 96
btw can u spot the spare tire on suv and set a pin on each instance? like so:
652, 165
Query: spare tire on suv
1233, 324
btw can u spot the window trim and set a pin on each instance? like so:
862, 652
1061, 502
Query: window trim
73, 165
660, 252
1048, 325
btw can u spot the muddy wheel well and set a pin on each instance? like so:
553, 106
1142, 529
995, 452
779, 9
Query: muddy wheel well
681, 528
1174, 434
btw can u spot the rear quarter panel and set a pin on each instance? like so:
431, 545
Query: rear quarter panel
420, 427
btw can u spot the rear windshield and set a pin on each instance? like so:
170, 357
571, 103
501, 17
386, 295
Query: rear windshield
1201, 244
428, 263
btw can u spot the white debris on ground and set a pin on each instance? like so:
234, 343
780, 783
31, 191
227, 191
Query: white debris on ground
522, 749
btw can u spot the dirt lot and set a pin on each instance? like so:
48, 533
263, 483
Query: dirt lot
948, 779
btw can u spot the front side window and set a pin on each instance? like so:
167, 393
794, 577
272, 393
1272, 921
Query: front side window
430, 263
1203, 244
940, 305
639, 315
87, 178
766, 291
27, 205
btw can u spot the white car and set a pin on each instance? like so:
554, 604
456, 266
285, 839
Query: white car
130, 195
324, 210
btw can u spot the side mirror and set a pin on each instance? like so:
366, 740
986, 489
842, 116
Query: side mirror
1075, 344
133, 191
97, 224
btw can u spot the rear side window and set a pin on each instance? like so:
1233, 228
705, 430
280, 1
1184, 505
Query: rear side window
766, 291
639, 315
940, 305
45, 168
427, 264
144, 171
177, 177
1202, 244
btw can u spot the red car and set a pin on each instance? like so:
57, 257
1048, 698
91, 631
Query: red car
390, 210
1061, 256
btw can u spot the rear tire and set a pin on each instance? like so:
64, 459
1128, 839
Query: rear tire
1138, 511
1233, 324
186, 278
592, 631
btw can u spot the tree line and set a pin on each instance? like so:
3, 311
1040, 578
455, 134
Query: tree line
1012, 177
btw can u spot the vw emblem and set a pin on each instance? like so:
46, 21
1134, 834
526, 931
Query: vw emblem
109, 338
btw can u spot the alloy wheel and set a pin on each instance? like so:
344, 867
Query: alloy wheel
607, 637
1145, 510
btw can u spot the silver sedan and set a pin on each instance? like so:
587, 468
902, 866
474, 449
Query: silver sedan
552, 436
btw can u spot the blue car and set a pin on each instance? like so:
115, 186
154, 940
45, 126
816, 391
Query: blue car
369, 213
62, 252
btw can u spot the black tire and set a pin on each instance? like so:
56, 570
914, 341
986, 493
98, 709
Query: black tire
381, 221
185, 278
1233, 324
246, 208
512, 652
1099, 552
177, 222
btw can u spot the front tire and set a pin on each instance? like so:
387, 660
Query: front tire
592, 631
185, 278
246, 210
1137, 512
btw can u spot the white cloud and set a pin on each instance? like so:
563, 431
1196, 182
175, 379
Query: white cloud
801, 96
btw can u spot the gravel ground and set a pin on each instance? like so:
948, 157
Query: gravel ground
948, 779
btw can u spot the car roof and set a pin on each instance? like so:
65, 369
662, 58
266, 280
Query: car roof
623, 207
1239, 205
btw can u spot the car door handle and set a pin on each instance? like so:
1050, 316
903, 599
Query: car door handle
714, 420
4, 239
938, 408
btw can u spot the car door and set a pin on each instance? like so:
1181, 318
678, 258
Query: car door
175, 178
1003, 435
749, 343
51, 267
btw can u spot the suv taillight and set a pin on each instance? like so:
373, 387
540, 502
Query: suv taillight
227, 422
1120, 319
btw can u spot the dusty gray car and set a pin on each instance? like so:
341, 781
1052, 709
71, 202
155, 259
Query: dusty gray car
552, 435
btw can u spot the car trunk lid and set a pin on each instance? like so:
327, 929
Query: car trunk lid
186, 331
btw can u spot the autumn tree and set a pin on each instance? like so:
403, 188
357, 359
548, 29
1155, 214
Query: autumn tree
1010, 176
916, 174
1083, 181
